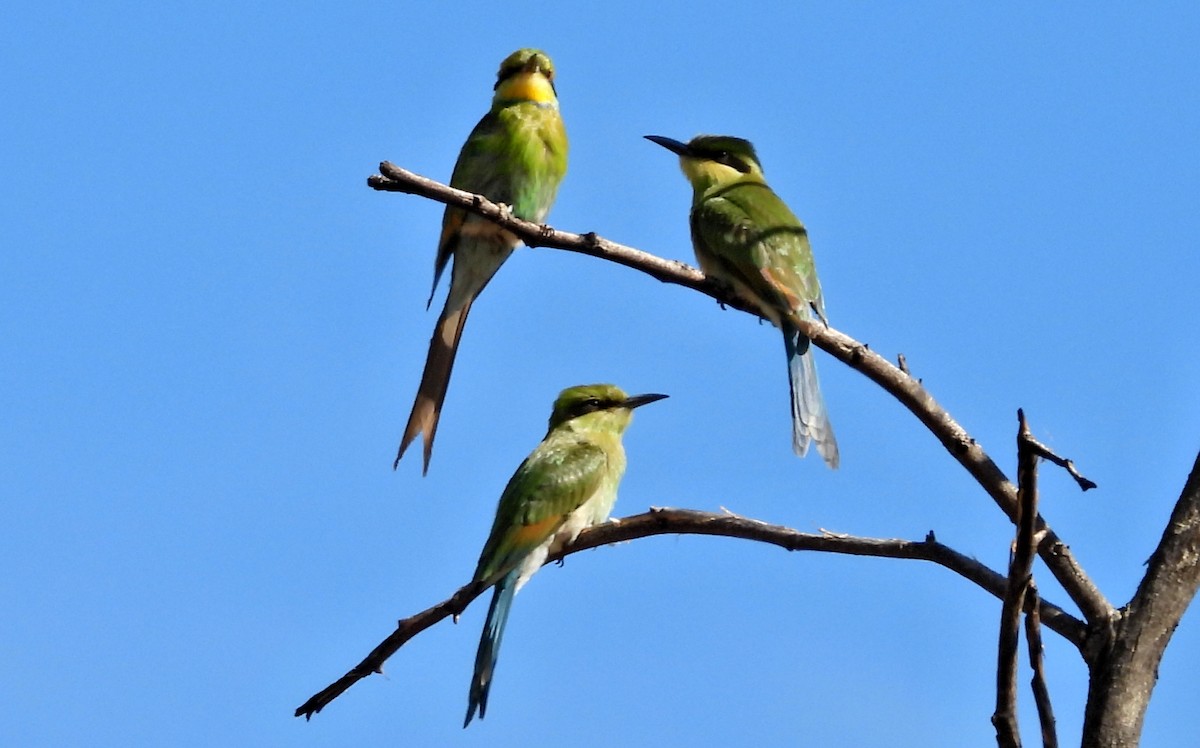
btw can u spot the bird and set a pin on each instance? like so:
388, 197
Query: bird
746, 236
516, 156
568, 483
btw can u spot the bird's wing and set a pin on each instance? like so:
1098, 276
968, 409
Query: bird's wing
554, 481
476, 170
516, 155
752, 231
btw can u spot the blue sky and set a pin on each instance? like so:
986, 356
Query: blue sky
211, 331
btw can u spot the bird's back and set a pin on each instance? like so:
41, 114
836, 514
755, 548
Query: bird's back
746, 235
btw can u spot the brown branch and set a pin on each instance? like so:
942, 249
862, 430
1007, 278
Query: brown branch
1125, 666
691, 522
1041, 450
406, 629
1041, 692
395, 179
907, 390
1020, 575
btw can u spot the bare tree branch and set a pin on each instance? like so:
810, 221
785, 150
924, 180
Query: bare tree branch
1041, 692
904, 388
1041, 450
691, 522
1020, 575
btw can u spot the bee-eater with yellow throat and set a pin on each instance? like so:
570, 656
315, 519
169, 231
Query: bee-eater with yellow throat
568, 483
516, 155
744, 235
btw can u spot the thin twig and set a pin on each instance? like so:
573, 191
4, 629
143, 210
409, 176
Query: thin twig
1046, 453
691, 522
904, 388
1041, 692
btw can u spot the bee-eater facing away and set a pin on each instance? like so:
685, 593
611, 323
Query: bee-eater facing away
517, 156
744, 235
569, 482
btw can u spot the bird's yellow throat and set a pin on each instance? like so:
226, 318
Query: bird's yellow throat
533, 86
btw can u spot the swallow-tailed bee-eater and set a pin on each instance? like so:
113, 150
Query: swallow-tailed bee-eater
516, 156
744, 235
568, 483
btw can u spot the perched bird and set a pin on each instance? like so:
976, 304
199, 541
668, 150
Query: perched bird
569, 482
747, 237
517, 156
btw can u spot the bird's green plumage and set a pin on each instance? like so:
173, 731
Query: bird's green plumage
568, 483
516, 155
743, 231
577, 466
562, 473
745, 235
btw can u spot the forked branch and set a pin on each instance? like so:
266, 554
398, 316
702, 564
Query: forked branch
691, 522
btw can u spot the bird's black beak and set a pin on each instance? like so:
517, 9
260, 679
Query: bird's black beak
639, 400
672, 145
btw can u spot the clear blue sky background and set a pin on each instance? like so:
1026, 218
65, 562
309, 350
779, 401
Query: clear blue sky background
211, 331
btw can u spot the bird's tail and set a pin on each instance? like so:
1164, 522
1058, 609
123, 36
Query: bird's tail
810, 421
489, 645
435, 380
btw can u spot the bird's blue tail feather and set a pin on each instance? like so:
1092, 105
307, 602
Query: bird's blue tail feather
810, 421
489, 645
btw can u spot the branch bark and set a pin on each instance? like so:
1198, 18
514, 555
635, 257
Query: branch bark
904, 388
691, 522
1124, 668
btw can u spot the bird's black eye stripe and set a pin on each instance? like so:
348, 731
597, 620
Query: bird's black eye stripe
733, 162
590, 405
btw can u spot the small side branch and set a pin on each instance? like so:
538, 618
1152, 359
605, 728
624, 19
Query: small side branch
1020, 575
406, 629
1041, 692
1041, 450
691, 522
894, 380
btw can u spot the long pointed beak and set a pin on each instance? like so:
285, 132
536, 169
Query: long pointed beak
672, 145
639, 400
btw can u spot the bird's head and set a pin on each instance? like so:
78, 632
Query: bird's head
526, 75
709, 160
592, 406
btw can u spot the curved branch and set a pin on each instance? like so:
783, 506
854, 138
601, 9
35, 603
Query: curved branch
691, 522
858, 356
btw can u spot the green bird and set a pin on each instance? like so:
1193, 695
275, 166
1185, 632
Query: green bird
744, 235
568, 483
516, 155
